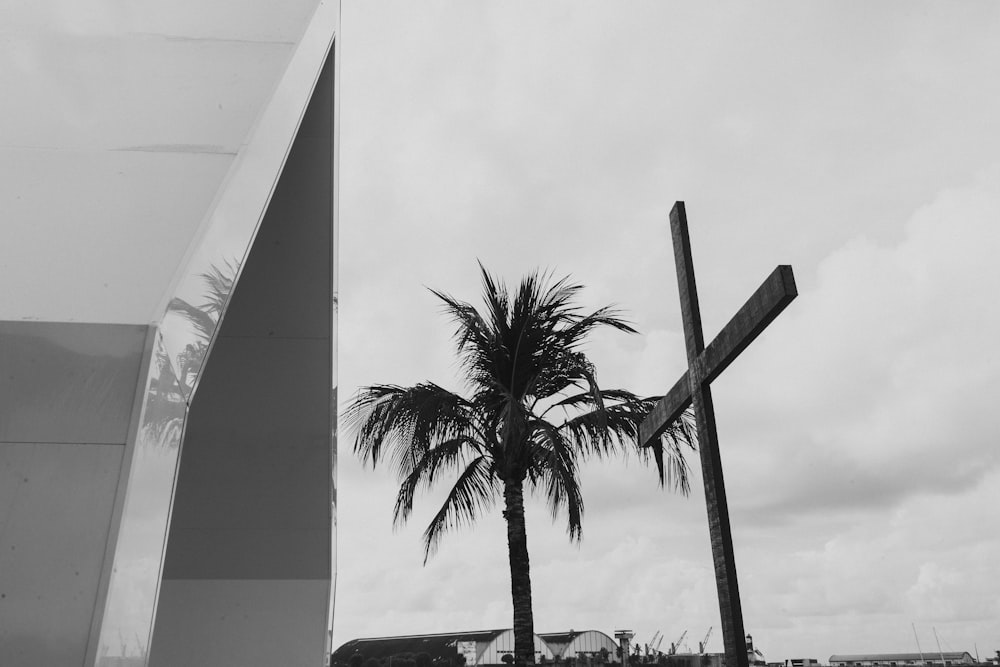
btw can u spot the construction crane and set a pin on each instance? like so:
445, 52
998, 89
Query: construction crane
657, 649
704, 642
652, 642
677, 644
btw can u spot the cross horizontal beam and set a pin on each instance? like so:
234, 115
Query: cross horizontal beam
776, 292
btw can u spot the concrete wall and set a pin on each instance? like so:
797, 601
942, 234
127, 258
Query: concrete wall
67, 400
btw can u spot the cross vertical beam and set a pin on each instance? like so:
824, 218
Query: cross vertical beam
708, 447
704, 365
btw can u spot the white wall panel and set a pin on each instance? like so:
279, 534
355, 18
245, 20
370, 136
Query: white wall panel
56, 504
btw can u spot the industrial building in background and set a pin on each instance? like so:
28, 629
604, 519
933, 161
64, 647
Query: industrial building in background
496, 647
482, 647
591, 648
939, 659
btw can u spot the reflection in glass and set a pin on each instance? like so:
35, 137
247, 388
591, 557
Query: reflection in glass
201, 287
188, 329
126, 630
179, 354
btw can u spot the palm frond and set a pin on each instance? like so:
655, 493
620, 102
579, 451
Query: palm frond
555, 469
606, 427
219, 282
202, 320
525, 344
671, 465
165, 407
587, 398
406, 422
475, 490
607, 316
614, 430
476, 343
449, 454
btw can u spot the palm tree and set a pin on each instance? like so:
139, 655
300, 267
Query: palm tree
523, 365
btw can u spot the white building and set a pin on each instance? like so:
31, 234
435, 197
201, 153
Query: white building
581, 644
167, 331
902, 659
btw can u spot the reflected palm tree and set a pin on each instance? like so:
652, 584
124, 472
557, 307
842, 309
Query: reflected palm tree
219, 283
174, 378
140, 548
165, 405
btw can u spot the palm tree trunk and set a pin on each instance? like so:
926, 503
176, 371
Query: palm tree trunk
520, 575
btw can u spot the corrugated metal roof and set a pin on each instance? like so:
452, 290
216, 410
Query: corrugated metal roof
559, 637
436, 646
575, 643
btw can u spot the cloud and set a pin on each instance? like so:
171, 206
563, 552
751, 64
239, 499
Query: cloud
879, 381
844, 428
856, 431
859, 583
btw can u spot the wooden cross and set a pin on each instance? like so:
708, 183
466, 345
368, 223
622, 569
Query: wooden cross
704, 365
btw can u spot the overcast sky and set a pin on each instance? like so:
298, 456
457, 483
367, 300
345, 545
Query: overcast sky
859, 434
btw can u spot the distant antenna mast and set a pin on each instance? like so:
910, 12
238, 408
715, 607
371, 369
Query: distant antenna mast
919, 650
940, 652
